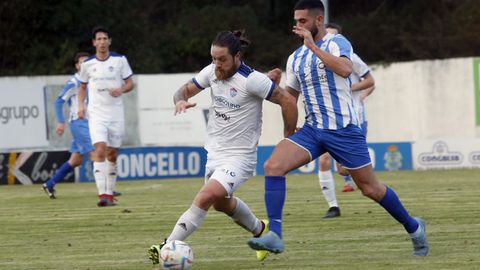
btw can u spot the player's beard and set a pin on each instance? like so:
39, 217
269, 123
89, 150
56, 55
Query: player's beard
225, 74
314, 31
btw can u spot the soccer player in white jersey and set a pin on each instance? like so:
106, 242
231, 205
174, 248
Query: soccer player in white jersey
233, 130
362, 86
320, 70
109, 76
81, 144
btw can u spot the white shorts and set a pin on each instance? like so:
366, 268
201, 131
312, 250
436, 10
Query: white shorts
230, 174
110, 132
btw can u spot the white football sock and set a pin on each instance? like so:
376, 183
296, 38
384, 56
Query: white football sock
188, 223
111, 177
99, 172
243, 216
328, 187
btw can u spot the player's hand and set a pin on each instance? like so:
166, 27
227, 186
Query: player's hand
182, 105
81, 112
275, 75
60, 129
116, 92
306, 35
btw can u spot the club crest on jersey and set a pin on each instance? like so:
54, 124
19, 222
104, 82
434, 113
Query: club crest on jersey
233, 92
110, 68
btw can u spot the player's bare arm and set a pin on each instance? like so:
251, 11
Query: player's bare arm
366, 93
366, 83
60, 129
287, 99
180, 98
82, 91
127, 87
340, 65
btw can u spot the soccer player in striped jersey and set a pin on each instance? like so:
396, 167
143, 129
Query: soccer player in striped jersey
109, 76
362, 86
81, 144
233, 130
320, 70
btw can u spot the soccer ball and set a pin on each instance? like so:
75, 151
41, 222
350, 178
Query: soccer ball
176, 255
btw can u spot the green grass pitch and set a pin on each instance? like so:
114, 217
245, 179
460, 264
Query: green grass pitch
71, 232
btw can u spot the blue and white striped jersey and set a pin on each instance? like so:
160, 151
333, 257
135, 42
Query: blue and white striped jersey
68, 94
327, 96
360, 70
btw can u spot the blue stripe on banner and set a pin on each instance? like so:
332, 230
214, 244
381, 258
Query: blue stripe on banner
308, 102
318, 91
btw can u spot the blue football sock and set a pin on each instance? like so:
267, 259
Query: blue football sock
275, 187
59, 174
347, 178
392, 204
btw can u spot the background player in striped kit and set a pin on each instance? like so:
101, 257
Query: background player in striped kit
362, 86
81, 144
320, 69
109, 76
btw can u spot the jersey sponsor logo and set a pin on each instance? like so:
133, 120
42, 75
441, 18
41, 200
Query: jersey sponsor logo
223, 102
222, 115
233, 92
440, 155
22, 113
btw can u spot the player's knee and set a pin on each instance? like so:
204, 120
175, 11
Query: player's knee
325, 164
371, 191
204, 199
273, 168
342, 171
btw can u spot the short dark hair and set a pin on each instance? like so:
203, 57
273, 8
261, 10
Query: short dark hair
309, 4
99, 29
79, 55
334, 26
235, 41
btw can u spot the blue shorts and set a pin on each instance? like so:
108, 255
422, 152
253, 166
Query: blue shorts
346, 145
81, 142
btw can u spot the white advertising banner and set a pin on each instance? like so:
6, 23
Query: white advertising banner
22, 113
157, 122
446, 154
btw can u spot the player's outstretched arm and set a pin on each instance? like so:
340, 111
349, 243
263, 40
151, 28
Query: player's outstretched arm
181, 96
287, 99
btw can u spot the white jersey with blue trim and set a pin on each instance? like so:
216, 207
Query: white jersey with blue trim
101, 76
327, 96
235, 116
360, 70
69, 94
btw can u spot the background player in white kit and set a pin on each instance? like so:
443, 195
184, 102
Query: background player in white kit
108, 75
362, 86
234, 127
81, 144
